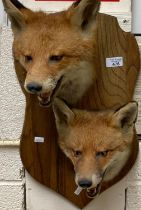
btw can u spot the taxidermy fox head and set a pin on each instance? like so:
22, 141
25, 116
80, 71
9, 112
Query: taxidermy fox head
98, 143
57, 50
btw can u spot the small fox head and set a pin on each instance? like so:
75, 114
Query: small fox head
55, 49
97, 142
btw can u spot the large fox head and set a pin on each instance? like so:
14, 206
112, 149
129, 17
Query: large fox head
56, 50
98, 142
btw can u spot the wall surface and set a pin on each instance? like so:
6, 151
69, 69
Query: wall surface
13, 184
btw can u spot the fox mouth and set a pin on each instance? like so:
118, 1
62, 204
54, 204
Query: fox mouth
45, 98
92, 192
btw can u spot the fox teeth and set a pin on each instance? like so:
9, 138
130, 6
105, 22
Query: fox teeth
39, 98
92, 192
44, 99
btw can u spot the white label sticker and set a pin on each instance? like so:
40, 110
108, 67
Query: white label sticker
114, 62
39, 139
78, 190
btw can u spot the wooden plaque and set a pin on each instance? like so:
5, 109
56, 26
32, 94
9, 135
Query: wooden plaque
113, 88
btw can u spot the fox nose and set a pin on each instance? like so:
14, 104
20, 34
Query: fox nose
84, 183
34, 87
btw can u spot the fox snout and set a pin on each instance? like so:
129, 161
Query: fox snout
88, 182
44, 89
34, 87
40, 85
85, 183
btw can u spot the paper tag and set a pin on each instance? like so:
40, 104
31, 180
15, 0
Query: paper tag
114, 62
39, 139
78, 190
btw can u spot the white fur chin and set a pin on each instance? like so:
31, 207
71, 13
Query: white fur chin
96, 180
116, 165
49, 84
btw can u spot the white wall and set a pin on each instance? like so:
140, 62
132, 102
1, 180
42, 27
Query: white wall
41, 198
12, 104
136, 16
11, 120
11, 179
124, 6
1, 13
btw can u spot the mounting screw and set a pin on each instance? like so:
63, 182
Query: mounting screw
125, 21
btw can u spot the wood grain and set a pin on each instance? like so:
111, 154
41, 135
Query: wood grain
113, 88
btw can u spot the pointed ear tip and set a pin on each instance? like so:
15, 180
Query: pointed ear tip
99, 2
134, 104
58, 104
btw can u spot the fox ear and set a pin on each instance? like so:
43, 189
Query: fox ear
84, 13
63, 114
14, 10
125, 116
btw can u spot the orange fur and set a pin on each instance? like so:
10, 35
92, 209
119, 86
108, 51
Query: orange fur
70, 34
98, 143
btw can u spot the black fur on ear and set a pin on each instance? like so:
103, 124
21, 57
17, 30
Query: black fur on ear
91, 10
75, 4
85, 12
18, 4
15, 11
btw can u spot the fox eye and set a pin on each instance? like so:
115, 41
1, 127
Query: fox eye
56, 58
28, 58
77, 153
101, 154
